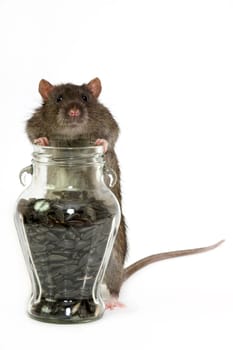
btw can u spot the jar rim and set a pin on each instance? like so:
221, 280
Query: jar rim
98, 149
85, 155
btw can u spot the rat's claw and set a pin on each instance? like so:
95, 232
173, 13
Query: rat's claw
41, 141
102, 142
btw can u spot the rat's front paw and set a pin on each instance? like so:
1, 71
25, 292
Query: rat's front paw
41, 141
102, 142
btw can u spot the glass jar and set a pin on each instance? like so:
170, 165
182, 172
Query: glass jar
67, 220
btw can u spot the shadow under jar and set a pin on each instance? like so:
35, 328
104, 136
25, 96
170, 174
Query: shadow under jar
67, 220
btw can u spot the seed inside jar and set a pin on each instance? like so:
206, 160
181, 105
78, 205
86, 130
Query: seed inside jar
67, 238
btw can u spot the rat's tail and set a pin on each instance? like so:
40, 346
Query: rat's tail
162, 256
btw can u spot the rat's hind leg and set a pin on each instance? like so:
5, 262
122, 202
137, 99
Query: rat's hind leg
113, 280
114, 275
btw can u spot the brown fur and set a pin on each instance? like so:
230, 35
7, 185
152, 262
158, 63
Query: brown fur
95, 122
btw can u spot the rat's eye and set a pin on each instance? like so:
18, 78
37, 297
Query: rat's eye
84, 97
59, 98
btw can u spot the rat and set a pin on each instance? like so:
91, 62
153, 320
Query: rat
69, 115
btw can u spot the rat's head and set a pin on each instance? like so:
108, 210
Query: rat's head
67, 105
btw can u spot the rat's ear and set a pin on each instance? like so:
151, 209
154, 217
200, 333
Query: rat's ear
45, 88
94, 86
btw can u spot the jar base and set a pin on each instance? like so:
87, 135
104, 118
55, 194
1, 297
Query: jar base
65, 311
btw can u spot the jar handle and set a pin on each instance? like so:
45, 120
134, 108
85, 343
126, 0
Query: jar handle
111, 174
26, 170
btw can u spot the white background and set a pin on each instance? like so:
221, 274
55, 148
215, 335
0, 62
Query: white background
167, 73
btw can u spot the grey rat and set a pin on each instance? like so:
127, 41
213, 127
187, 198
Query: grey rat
70, 115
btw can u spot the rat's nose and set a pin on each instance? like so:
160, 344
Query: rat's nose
74, 112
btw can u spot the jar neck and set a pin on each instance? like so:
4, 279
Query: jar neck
62, 169
68, 156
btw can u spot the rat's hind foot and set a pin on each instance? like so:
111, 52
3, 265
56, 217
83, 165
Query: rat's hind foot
113, 303
102, 142
42, 141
